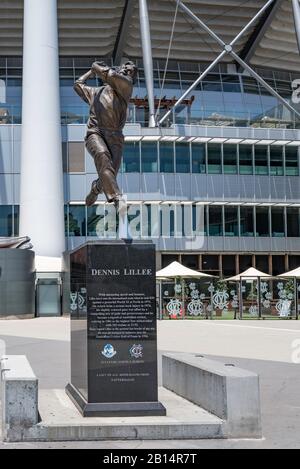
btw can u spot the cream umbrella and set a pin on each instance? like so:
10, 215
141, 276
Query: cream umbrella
176, 269
292, 274
249, 274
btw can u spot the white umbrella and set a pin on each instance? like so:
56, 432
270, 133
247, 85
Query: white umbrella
250, 274
293, 273
176, 269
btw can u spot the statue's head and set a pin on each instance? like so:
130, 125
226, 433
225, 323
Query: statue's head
130, 69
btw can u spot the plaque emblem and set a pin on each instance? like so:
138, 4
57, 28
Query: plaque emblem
136, 351
73, 297
108, 351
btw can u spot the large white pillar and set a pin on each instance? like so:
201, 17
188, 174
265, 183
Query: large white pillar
42, 200
296, 10
148, 61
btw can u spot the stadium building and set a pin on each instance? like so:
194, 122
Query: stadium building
230, 145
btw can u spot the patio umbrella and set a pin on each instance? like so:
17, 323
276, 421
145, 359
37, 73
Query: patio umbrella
249, 274
292, 274
176, 269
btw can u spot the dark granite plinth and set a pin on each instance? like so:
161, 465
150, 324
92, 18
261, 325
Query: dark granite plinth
113, 329
115, 409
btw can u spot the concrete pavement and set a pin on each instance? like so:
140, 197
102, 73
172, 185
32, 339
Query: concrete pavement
269, 348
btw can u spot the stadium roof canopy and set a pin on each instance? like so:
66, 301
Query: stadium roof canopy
104, 28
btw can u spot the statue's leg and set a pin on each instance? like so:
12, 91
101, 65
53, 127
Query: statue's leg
98, 148
115, 146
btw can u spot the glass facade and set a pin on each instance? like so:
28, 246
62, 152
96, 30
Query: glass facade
222, 99
230, 159
183, 158
217, 220
9, 220
187, 158
194, 158
214, 159
166, 155
261, 159
198, 158
131, 158
246, 159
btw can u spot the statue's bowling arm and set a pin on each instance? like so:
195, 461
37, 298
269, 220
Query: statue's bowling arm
119, 82
84, 92
101, 70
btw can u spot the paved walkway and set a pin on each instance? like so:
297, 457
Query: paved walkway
269, 348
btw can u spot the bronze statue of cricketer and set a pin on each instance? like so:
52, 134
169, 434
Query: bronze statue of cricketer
108, 114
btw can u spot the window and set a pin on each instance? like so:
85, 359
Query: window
166, 158
291, 161
262, 222
261, 160
167, 220
95, 220
200, 220
214, 158
16, 220
77, 220
190, 261
246, 159
278, 265
276, 161
229, 266
230, 159
293, 225
149, 158
278, 222
245, 263
294, 262
76, 157
210, 264
6, 220
183, 159
262, 264
247, 221
167, 259
134, 220
198, 158
215, 221
231, 221
131, 158
64, 148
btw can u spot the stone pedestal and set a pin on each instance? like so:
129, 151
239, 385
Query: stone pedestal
113, 329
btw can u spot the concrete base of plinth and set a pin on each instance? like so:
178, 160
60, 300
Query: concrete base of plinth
61, 421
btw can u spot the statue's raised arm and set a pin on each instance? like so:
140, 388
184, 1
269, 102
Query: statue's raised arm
121, 79
85, 92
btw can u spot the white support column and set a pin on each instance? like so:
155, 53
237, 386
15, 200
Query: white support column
148, 61
296, 10
42, 200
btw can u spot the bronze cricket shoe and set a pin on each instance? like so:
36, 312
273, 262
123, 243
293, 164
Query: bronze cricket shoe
92, 197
